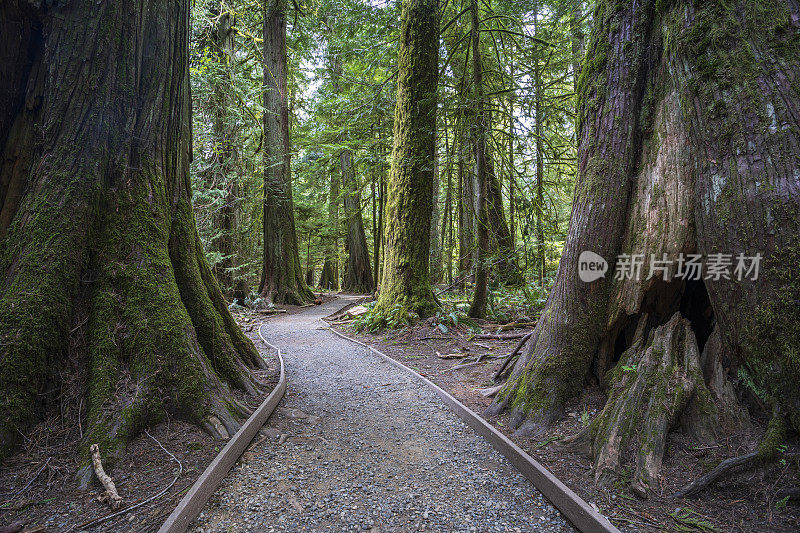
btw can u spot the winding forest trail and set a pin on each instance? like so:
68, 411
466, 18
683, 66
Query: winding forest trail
369, 448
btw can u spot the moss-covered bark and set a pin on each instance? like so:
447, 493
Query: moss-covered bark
282, 279
103, 269
688, 128
406, 282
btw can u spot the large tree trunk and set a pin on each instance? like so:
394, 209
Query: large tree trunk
282, 279
104, 277
406, 282
358, 270
329, 278
688, 123
224, 169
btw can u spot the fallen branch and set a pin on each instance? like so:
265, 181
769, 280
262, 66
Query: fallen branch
451, 355
100, 519
28, 484
508, 359
515, 325
765, 452
490, 391
793, 493
499, 337
110, 494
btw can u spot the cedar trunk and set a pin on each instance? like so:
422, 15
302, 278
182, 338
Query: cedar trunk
105, 283
358, 270
329, 278
688, 129
282, 279
406, 282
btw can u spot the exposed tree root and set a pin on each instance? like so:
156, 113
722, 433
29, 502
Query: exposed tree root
767, 451
653, 384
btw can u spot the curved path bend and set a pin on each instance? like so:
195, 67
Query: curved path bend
366, 447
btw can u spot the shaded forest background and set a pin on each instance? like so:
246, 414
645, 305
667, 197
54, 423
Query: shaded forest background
341, 96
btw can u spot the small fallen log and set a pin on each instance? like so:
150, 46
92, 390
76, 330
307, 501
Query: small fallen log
110, 494
451, 355
499, 337
489, 392
515, 325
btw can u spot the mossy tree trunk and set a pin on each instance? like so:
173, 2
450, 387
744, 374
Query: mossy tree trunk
436, 270
282, 279
406, 281
688, 121
103, 270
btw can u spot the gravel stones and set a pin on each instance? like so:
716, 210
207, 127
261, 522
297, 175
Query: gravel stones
359, 445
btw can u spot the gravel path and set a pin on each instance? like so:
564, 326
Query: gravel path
369, 448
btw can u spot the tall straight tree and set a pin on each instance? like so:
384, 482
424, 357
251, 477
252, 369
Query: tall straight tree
224, 168
282, 279
329, 278
104, 279
690, 148
477, 308
406, 278
357, 270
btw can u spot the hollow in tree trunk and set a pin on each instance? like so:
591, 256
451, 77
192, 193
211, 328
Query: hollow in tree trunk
282, 279
406, 282
688, 121
104, 276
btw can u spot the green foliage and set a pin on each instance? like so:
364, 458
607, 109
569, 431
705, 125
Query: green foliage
689, 520
396, 317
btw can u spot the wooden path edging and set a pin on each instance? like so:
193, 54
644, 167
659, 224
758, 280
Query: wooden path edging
193, 502
581, 514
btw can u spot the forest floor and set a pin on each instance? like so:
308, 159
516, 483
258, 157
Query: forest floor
360, 445
743, 502
38, 486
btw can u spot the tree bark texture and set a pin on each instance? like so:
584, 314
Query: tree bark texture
688, 127
225, 168
406, 281
282, 279
104, 277
329, 278
358, 270
477, 308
